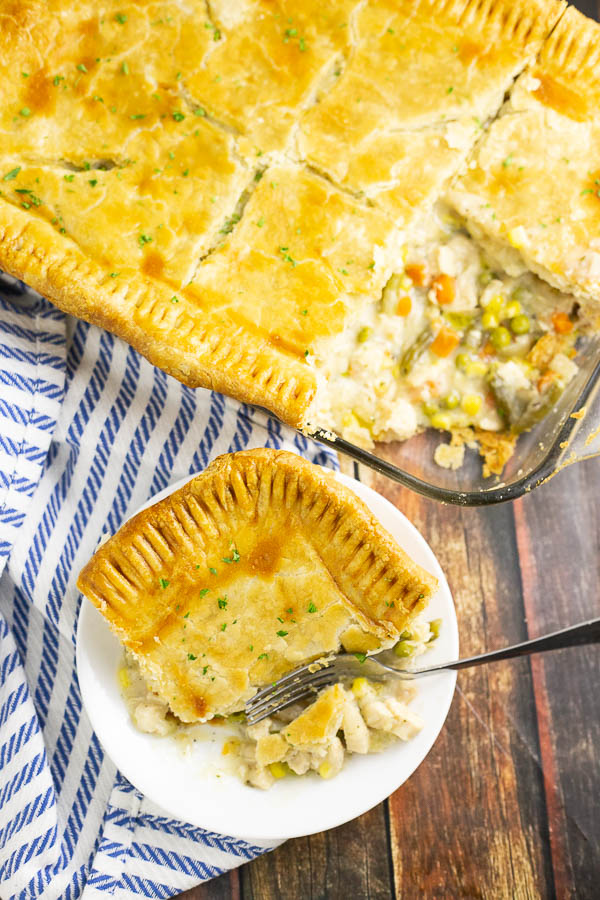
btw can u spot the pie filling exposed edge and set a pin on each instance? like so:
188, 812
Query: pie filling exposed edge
204, 333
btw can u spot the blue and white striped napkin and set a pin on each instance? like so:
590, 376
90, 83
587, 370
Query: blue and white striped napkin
88, 431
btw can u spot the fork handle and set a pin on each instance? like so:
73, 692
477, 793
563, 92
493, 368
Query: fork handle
573, 636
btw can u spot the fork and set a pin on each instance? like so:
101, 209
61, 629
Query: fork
312, 677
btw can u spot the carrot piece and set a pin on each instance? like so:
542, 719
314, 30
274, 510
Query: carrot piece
444, 342
443, 289
404, 305
416, 273
562, 323
546, 379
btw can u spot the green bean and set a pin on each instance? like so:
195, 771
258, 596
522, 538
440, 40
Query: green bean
411, 356
538, 409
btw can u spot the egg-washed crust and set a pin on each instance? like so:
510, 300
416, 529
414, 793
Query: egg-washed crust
533, 186
422, 79
261, 563
152, 179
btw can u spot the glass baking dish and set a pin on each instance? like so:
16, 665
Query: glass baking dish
570, 432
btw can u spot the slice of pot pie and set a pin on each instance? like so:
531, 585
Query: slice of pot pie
260, 564
257, 196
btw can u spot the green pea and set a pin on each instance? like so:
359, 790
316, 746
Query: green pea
500, 337
452, 400
404, 649
429, 408
435, 627
364, 334
520, 324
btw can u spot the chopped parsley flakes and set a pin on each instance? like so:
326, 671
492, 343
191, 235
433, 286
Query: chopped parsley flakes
144, 239
222, 602
235, 557
287, 257
12, 174
282, 633
204, 592
191, 656
311, 607
163, 583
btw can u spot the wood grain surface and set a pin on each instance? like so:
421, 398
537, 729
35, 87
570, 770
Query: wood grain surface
506, 805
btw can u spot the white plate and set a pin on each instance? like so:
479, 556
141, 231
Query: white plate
194, 786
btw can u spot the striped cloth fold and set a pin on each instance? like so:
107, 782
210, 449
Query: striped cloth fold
89, 430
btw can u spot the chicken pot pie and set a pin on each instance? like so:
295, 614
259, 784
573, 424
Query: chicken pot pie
260, 564
327, 209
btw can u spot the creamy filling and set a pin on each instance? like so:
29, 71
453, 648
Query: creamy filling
372, 715
460, 338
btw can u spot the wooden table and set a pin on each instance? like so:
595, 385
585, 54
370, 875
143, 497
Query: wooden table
507, 804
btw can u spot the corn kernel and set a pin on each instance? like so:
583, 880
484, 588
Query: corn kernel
440, 420
278, 770
124, 680
517, 236
358, 686
512, 309
230, 747
476, 368
495, 304
489, 320
471, 404
325, 769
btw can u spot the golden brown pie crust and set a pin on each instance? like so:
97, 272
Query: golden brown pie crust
210, 182
259, 564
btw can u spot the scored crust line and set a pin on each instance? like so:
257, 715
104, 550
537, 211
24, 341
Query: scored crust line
487, 125
231, 221
199, 108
